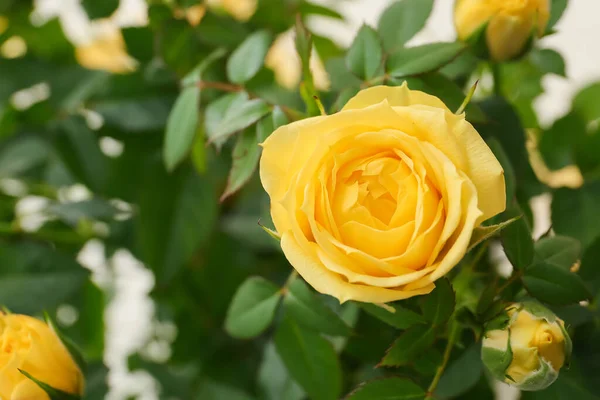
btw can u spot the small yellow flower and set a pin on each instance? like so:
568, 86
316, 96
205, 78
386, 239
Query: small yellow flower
510, 24
377, 202
32, 346
530, 350
107, 52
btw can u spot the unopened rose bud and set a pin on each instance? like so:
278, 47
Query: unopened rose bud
529, 349
505, 27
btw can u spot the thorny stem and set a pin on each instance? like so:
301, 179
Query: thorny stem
454, 330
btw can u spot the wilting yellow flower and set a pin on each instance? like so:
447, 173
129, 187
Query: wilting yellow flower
529, 351
569, 176
242, 10
32, 346
284, 61
510, 23
107, 52
378, 201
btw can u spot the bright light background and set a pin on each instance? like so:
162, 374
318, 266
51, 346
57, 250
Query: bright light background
131, 324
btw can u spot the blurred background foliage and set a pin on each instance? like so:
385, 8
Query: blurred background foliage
142, 142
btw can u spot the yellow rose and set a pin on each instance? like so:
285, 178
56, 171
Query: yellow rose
378, 201
32, 346
529, 351
510, 23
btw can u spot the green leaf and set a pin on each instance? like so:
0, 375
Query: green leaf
557, 149
216, 391
402, 20
505, 126
509, 173
30, 293
195, 75
274, 382
306, 8
575, 212
310, 359
462, 374
586, 102
73, 349
562, 251
100, 9
341, 78
438, 306
554, 285
246, 154
249, 57
78, 148
216, 111
181, 127
138, 115
53, 393
401, 318
308, 310
388, 389
21, 155
549, 61
517, 242
238, 115
176, 216
557, 8
422, 59
589, 270
411, 344
252, 309
365, 56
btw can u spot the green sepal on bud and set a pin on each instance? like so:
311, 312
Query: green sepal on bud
526, 346
478, 43
53, 394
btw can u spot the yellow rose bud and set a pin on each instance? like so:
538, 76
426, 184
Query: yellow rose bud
509, 24
378, 201
529, 350
30, 345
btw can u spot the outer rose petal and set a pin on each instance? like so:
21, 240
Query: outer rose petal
28, 390
481, 166
327, 282
470, 15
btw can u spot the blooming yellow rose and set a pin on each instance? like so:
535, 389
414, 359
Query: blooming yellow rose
378, 201
510, 23
530, 350
32, 346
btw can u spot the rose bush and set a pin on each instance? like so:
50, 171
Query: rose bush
378, 201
